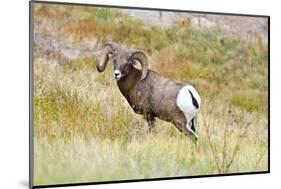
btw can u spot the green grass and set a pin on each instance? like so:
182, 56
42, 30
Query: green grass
85, 131
145, 157
104, 140
250, 101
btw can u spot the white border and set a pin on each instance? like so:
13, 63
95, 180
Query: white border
14, 92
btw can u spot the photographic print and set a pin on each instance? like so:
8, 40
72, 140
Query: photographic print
122, 94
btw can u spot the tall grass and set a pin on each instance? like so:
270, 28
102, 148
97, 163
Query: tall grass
85, 130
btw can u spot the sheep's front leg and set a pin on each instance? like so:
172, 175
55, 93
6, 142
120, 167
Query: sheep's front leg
151, 122
151, 126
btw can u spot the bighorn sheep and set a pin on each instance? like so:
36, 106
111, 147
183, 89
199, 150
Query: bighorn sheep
149, 93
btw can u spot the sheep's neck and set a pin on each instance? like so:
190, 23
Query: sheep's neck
126, 83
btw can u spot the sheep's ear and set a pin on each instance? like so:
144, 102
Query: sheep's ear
132, 62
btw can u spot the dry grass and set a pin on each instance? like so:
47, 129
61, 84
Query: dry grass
85, 130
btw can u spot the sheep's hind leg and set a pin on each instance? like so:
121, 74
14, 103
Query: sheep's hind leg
186, 129
191, 128
192, 124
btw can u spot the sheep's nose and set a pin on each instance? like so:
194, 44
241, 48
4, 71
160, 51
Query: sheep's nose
117, 74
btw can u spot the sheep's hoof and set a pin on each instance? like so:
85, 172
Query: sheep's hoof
194, 138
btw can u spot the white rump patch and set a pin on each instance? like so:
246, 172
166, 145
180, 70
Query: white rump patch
184, 103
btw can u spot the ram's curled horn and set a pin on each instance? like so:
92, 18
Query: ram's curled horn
141, 58
108, 48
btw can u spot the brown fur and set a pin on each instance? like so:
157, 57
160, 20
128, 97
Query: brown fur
155, 96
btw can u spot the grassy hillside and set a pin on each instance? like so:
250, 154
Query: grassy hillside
85, 130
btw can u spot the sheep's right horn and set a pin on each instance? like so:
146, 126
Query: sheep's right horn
109, 48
